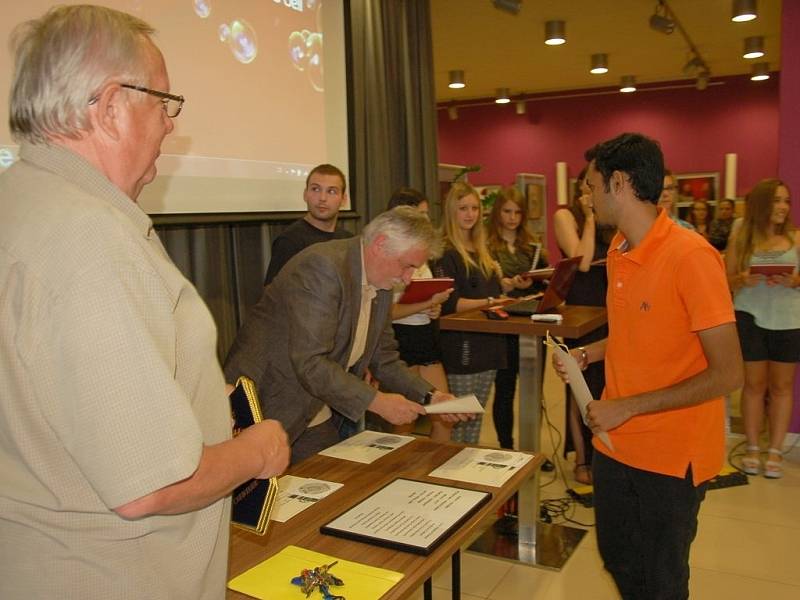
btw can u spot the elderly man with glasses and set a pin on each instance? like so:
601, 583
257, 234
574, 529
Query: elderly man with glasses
115, 434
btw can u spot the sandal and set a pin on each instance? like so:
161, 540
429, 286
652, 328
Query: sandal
751, 462
773, 469
583, 474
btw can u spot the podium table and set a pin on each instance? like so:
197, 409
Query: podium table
412, 461
524, 539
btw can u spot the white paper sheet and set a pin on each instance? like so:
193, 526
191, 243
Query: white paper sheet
295, 494
578, 386
367, 446
479, 465
462, 404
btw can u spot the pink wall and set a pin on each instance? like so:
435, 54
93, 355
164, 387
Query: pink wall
696, 129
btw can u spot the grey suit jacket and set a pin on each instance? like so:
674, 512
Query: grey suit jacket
296, 341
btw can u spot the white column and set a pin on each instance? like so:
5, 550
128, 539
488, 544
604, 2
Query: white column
730, 176
562, 187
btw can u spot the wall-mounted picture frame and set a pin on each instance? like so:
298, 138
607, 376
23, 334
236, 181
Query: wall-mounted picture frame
534, 195
697, 186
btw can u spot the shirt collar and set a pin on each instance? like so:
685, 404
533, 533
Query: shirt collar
370, 290
75, 169
649, 244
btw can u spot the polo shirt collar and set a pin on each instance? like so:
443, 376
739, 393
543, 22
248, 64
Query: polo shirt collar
649, 244
75, 169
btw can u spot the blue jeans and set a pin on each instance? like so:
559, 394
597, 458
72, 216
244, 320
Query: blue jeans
646, 523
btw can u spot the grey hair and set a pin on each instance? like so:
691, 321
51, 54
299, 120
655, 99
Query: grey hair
63, 59
405, 227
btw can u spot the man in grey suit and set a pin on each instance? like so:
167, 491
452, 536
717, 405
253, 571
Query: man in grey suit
323, 321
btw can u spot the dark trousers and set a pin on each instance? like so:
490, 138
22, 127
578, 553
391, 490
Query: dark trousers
505, 385
646, 523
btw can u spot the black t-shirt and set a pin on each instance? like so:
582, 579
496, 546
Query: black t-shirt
299, 235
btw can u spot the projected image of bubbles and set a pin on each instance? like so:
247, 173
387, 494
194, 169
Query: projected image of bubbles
305, 54
241, 39
202, 8
6, 158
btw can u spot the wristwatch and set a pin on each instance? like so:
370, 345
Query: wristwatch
584, 357
426, 399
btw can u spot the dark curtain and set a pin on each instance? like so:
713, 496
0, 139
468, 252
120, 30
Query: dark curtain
393, 100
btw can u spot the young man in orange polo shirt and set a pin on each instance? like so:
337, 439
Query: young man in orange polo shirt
671, 355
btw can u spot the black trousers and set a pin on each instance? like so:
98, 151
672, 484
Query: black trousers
646, 523
505, 385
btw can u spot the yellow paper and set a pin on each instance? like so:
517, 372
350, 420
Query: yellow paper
271, 579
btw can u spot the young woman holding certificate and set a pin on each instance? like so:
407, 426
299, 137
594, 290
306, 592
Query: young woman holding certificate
470, 359
515, 250
762, 263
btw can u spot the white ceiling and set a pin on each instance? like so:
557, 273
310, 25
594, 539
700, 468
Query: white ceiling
498, 49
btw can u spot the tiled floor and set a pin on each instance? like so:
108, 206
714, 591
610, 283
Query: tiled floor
746, 546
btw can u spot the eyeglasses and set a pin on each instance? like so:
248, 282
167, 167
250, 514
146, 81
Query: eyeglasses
172, 103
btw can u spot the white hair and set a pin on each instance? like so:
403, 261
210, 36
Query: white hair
404, 227
63, 59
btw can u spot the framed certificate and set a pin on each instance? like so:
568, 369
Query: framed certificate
253, 500
412, 516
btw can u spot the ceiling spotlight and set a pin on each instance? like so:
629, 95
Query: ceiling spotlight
660, 20
511, 6
694, 65
520, 107
555, 33
760, 71
702, 80
452, 113
744, 10
627, 84
456, 80
502, 96
599, 64
753, 47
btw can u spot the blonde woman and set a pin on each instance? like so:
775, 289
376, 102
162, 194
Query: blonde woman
470, 359
767, 317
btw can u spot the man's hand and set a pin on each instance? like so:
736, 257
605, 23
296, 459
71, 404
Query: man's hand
559, 367
395, 408
449, 417
605, 415
269, 441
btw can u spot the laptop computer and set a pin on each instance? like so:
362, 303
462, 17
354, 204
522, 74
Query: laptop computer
554, 295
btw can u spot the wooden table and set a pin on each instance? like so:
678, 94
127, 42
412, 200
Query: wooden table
537, 544
414, 461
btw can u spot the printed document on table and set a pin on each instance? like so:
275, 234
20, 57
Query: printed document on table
483, 466
413, 516
578, 386
367, 447
462, 404
298, 493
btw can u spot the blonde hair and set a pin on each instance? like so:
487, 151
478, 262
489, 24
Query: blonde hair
63, 59
756, 221
453, 236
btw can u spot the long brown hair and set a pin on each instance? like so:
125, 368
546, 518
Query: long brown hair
755, 227
524, 238
452, 233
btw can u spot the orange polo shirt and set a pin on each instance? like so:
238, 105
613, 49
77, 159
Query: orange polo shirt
660, 294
